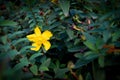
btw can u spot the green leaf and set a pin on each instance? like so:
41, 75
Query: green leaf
32, 25
16, 33
43, 68
107, 15
15, 42
70, 33
22, 50
116, 35
60, 73
74, 49
19, 66
44, 65
77, 41
34, 69
65, 5
106, 35
4, 39
90, 45
23, 62
99, 43
85, 59
8, 23
34, 56
88, 8
81, 62
90, 55
79, 55
30, 21
90, 38
54, 25
12, 53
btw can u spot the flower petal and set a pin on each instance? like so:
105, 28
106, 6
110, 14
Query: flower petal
47, 34
31, 37
37, 31
36, 47
47, 45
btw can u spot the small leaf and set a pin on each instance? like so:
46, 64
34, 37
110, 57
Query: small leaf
65, 5
4, 39
90, 55
88, 8
116, 35
74, 49
79, 55
8, 23
107, 15
16, 33
30, 21
81, 62
90, 38
46, 63
34, 56
34, 69
24, 59
90, 45
25, 48
106, 35
43, 68
23, 62
77, 41
12, 53
99, 43
60, 73
19, 40
70, 33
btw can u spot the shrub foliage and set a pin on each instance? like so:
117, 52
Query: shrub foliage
85, 39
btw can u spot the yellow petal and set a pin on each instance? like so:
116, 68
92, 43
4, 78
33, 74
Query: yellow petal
31, 37
47, 34
47, 45
37, 31
36, 46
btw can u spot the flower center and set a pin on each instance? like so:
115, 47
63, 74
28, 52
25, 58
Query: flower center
40, 39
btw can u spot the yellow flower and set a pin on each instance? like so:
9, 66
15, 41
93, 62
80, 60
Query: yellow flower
39, 38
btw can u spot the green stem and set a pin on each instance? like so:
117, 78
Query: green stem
98, 73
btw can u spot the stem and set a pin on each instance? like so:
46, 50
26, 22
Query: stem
74, 74
98, 73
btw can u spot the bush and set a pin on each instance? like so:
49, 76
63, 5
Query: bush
59, 39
